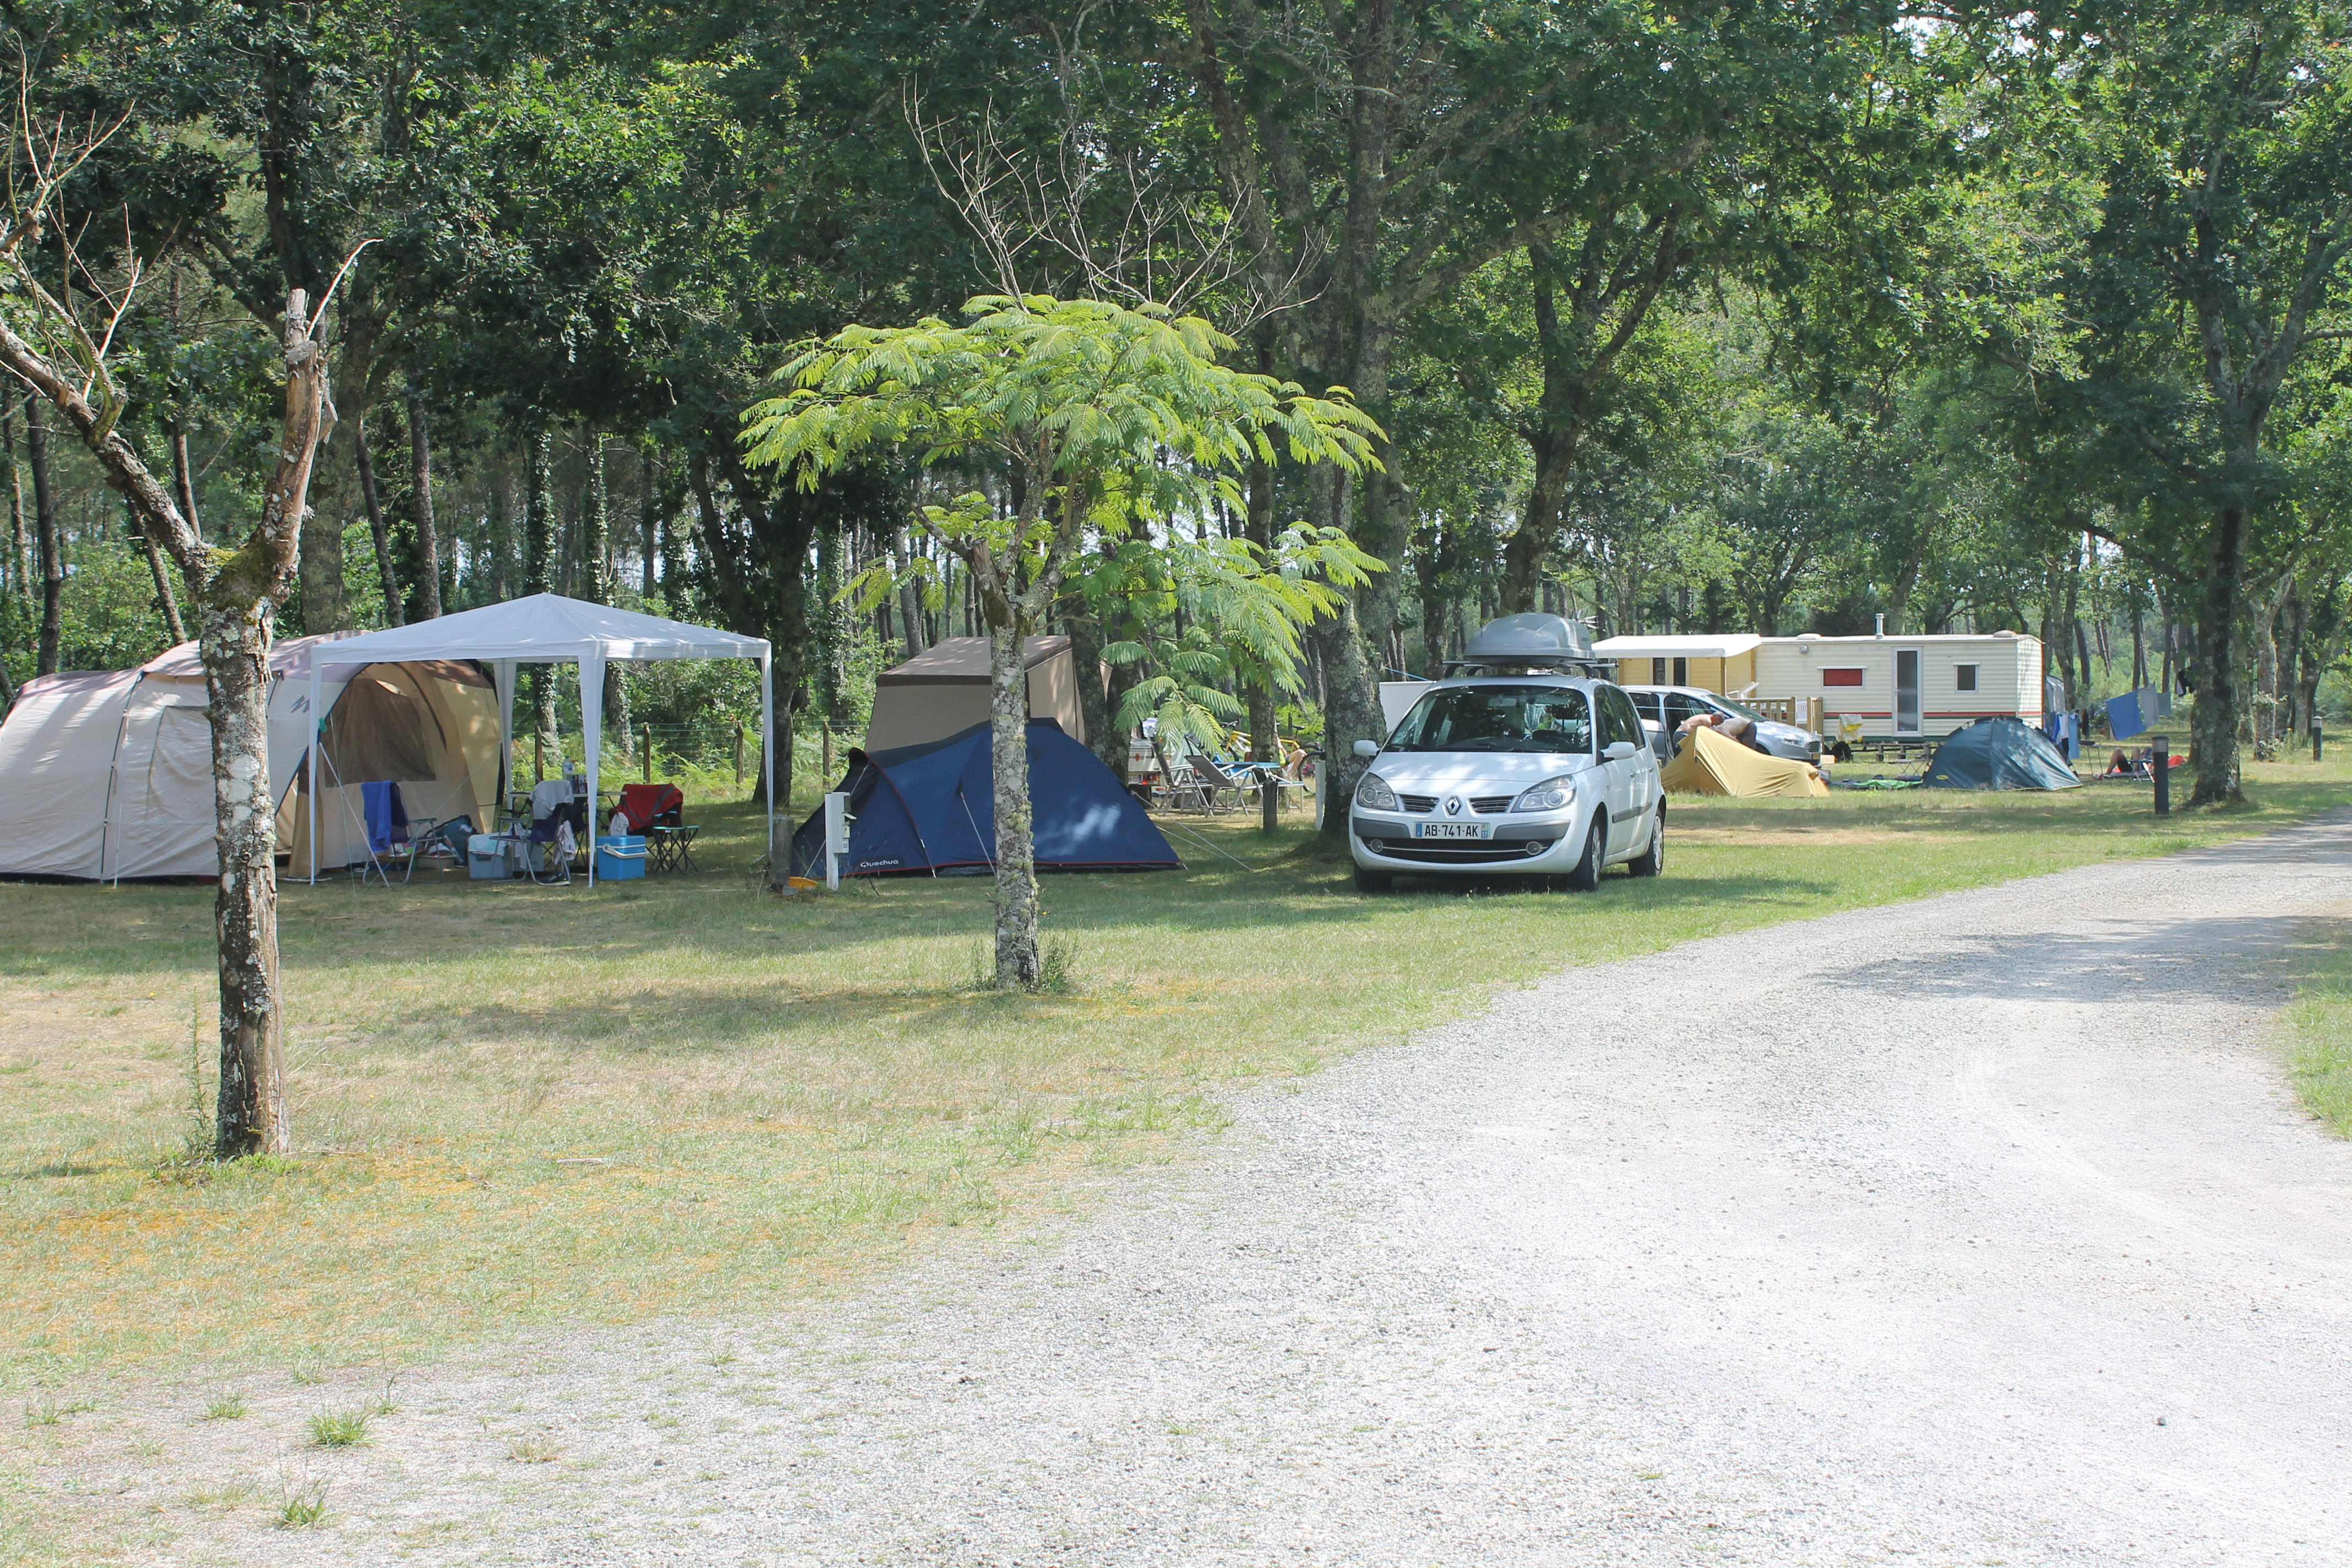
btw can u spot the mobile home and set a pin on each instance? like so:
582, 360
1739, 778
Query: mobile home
1902, 686
1723, 663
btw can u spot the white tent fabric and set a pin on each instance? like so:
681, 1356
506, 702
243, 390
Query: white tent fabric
548, 628
110, 772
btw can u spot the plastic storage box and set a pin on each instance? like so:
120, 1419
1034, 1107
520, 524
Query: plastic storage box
620, 859
490, 857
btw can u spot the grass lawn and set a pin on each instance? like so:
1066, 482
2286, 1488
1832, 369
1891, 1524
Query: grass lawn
516, 1104
2319, 1023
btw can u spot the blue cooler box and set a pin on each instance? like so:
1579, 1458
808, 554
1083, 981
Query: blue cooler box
620, 859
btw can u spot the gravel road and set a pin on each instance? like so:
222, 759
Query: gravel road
1982, 1229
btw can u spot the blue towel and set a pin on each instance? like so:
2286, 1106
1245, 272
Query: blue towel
388, 818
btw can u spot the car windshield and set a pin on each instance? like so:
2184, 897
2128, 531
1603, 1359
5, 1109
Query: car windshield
1745, 712
1497, 719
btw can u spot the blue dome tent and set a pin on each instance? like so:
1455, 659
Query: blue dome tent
930, 808
1998, 753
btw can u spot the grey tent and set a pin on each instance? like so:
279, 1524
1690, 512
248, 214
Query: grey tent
2000, 752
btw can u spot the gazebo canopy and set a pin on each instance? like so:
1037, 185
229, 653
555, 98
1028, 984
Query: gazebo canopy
548, 628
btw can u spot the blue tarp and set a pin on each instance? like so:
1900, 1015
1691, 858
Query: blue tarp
1998, 753
930, 808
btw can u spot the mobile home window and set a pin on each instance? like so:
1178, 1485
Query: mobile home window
1657, 672
1964, 677
1841, 677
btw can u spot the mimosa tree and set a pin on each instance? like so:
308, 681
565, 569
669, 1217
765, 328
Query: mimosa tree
1098, 419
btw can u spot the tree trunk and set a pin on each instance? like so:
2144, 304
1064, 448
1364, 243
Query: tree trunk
253, 1117
2266, 681
428, 542
539, 543
648, 518
184, 477
2216, 721
20, 537
1258, 526
1017, 962
325, 607
46, 546
165, 600
394, 606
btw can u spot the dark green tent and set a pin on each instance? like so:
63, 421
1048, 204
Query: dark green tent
1998, 753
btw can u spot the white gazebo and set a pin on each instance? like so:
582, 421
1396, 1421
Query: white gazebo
547, 628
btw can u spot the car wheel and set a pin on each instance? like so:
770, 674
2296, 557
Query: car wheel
1587, 875
1652, 860
1370, 881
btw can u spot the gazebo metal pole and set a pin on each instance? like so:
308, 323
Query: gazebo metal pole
505, 674
591, 728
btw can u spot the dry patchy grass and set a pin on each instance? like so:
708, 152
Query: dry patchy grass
2318, 1023
518, 1104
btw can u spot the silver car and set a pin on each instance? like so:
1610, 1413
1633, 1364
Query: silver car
1538, 774
1664, 708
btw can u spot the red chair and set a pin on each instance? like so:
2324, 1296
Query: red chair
652, 805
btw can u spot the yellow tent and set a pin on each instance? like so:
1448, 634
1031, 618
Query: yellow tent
1709, 764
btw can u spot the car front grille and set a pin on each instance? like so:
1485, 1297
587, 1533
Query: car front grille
1419, 804
1488, 804
1487, 853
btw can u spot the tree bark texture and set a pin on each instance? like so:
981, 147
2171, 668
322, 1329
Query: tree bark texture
2215, 721
20, 537
48, 547
428, 542
538, 543
394, 601
1017, 959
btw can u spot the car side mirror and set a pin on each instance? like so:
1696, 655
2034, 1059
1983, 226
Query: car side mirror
1368, 748
1618, 751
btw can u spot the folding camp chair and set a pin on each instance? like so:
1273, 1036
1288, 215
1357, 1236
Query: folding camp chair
658, 811
1220, 790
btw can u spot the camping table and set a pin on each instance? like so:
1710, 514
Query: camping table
671, 849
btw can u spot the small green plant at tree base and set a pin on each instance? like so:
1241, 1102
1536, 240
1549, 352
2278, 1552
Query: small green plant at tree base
340, 1428
302, 1507
225, 1407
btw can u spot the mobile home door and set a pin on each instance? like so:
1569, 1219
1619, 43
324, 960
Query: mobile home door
1906, 691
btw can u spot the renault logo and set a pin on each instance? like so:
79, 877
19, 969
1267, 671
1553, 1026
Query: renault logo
1454, 805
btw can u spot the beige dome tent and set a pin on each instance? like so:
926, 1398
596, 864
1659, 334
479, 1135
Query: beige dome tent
943, 691
1709, 764
110, 772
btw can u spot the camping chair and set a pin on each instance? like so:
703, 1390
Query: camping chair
1222, 790
658, 811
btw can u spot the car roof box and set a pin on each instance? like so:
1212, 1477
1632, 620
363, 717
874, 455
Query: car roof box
1530, 638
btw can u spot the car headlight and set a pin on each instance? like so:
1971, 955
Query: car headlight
1374, 795
1549, 795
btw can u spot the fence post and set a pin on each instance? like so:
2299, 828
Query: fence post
2314, 743
648, 731
2160, 769
738, 754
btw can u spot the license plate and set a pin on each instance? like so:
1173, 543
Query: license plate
1453, 830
